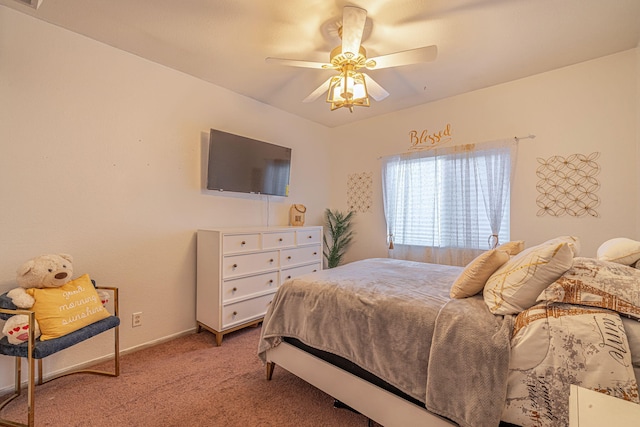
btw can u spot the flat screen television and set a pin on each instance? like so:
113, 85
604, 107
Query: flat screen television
246, 165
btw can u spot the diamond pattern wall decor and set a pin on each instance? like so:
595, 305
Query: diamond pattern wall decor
568, 186
360, 192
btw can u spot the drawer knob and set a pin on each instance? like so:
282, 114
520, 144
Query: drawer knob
235, 266
309, 237
280, 239
288, 277
271, 281
315, 253
234, 289
235, 313
271, 260
288, 257
243, 243
314, 270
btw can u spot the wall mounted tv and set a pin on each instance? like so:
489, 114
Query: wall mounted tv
246, 165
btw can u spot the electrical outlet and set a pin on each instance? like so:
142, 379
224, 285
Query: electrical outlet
136, 319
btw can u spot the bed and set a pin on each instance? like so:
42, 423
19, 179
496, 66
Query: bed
384, 337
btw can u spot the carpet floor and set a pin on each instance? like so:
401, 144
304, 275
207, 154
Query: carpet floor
186, 382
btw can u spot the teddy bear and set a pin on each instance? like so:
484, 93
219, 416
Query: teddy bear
42, 272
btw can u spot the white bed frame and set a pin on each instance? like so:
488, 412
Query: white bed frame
373, 402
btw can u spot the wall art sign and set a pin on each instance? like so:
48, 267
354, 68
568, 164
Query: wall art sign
426, 139
360, 192
568, 185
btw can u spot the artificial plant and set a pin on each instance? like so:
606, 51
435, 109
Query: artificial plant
339, 231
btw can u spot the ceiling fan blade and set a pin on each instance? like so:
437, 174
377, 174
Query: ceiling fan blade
406, 57
319, 91
297, 63
376, 91
353, 20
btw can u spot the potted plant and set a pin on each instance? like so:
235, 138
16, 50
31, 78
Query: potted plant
339, 232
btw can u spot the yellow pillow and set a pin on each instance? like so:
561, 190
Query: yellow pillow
62, 310
475, 274
514, 247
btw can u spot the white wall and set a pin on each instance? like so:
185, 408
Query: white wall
584, 108
101, 157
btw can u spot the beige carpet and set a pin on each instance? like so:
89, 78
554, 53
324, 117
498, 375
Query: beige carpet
187, 382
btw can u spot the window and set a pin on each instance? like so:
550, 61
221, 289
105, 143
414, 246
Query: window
454, 202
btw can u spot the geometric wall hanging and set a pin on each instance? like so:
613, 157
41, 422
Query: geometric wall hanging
360, 192
568, 186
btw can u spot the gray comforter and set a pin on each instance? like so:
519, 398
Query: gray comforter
394, 319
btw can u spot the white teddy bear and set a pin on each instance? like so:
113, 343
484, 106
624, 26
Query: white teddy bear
44, 271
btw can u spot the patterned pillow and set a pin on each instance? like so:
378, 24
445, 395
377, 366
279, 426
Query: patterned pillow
517, 284
572, 241
621, 250
475, 275
556, 345
598, 283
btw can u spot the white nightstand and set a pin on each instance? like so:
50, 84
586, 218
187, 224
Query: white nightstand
588, 408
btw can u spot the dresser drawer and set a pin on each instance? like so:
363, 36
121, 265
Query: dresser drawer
297, 256
232, 243
305, 237
244, 311
298, 271
239, 288
282, 239
239, 265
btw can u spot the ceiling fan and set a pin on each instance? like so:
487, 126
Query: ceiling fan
350, 87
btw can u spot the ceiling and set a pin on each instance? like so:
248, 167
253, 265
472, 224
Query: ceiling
480, 42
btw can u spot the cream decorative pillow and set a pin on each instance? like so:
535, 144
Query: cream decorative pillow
513, 248
596, 283
517, 284
62, 310
572, 241
621, 250
475, 275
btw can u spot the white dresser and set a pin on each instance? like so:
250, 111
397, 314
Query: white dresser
239, 270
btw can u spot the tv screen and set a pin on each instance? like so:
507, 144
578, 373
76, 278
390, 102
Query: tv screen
246, 165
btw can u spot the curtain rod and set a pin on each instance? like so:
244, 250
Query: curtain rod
515, 138
518, 138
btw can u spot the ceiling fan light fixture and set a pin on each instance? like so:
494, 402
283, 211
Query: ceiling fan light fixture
347, 90
338, 58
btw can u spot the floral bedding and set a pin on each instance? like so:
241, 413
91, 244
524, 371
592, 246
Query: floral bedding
555, 345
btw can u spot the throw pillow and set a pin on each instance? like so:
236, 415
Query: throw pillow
621, 250
513, 248
572, 241
62, 310
517, 284
597, 283
475, 275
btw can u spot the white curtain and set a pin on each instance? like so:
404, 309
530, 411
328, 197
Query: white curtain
495, 174
448, 205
